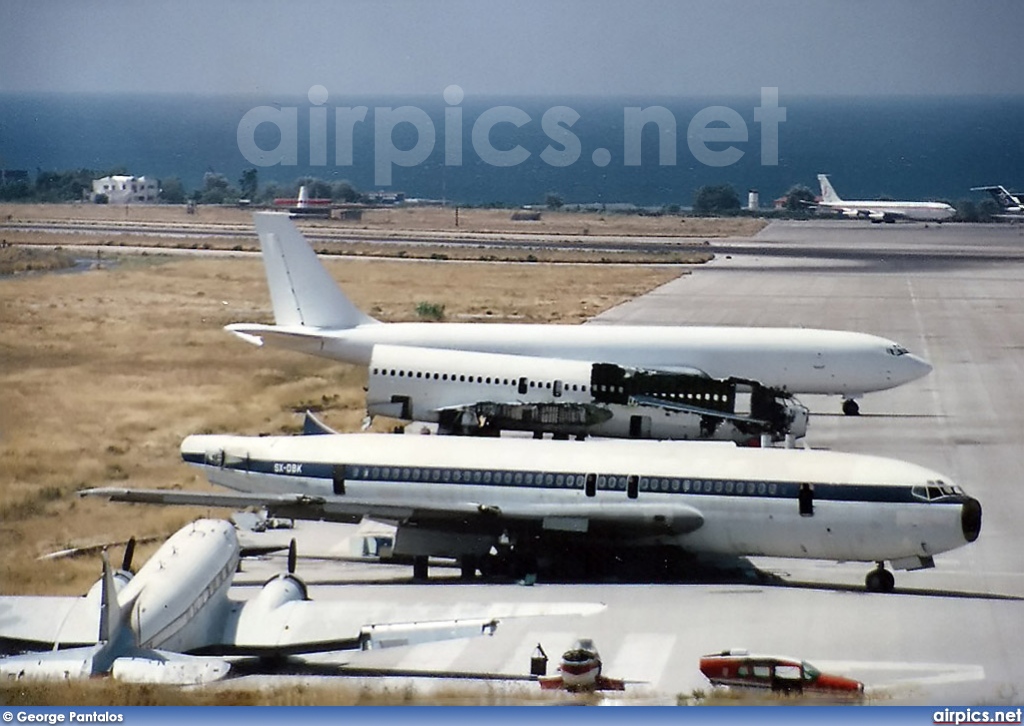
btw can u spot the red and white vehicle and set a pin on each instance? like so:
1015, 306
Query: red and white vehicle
739, 668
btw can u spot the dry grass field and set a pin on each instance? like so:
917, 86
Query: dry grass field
102, 373
403, 220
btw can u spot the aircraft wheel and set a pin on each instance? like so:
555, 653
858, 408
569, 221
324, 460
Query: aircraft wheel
851, 408
880, 580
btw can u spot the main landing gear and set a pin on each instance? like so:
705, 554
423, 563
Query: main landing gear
880, 580
850, 407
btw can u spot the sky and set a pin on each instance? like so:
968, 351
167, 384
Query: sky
530, 47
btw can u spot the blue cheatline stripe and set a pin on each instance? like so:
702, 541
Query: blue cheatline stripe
455, 476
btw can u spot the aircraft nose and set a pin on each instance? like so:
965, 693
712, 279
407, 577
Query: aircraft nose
915, 367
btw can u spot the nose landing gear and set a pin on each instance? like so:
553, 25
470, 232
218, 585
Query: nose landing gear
880, 580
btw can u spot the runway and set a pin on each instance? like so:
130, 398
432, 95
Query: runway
951, 293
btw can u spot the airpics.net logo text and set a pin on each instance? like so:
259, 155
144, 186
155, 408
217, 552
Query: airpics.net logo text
721, 126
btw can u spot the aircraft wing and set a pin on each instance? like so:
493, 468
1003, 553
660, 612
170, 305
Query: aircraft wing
303, 626
574, 517
38, 622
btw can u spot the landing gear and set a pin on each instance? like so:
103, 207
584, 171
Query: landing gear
850, 407
880, 580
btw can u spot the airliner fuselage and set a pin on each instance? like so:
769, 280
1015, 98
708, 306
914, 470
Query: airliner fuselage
797, 360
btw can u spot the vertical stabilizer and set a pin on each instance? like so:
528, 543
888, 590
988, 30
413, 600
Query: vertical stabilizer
301, 290
115, 636
828, 194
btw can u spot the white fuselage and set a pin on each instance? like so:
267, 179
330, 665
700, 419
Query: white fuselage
876, 210
796, 360
180, 593
701, 497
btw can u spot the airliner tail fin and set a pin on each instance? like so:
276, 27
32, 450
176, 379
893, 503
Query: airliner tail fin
302, 292
1003, 198
828, 194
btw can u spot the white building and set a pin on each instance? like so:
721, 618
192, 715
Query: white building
126, 189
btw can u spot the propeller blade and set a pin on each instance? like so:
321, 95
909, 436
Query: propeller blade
129, 555
292, 557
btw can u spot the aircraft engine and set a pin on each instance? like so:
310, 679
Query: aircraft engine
279, 590
283, 588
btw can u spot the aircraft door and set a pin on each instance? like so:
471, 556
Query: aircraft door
806, 498
338, 474
639, 427
522, 386
405, 404
557, 389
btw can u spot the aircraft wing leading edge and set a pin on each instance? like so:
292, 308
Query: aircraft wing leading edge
679, 518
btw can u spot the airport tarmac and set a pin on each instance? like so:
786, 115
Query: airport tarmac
952, 293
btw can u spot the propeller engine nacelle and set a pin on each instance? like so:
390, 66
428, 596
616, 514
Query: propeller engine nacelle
121, 578
279, 590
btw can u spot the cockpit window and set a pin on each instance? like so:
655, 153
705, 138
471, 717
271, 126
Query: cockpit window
896, 350
935, 490
810, 672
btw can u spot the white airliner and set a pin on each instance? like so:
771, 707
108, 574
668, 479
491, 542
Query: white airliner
490, 501
1010, 205
881, 211
484, 393
312, 315
173, 622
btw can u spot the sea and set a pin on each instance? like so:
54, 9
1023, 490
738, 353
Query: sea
516, 151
